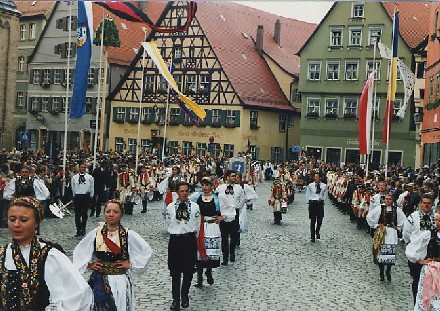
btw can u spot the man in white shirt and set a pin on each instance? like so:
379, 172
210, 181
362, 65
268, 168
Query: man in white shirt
83, 190
316, 193
231, 198
24, 185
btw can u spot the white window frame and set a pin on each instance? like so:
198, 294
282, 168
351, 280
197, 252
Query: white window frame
36, 76
20, 99
230, 117
372, 35
376, 110
32, 31
215, 149
314, 70
91, 76
191, 83
334, 40
35, 103
348, 107
399, 78
175, 115
147, 113
330, 107
351, 75
45, 104
173, 147
20, 64
56, 102
23, 30
358, 7
253, 118
355, 40
314, 105
162, 84
205, 82
89, 104
333, 72
370, 67
132, 145
186, 148
134, 113
228, 150
119, 144
146, 145
178, 52
46, 76
282, 122
57, 76
277, 154
215, 116
397, 105
201, 149
120, 113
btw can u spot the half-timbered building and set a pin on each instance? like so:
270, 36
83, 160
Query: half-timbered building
236, 62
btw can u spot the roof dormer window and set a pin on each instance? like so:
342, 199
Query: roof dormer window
358, 10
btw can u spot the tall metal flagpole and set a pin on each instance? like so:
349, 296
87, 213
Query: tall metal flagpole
140, 111
66, 110
375, 109
98, 102
166, 114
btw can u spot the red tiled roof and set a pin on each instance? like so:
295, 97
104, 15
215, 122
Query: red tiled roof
225, 25
413, 18
131, 34
38, 8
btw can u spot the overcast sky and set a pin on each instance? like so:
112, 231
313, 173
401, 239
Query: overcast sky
308, 11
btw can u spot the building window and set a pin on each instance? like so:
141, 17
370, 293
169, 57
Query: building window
282, 122
119, 144
57, 76
46, 77
201, 149
355, 37
332, 70
120, 113
214, 149
230, 118
177, 52
228, 150
350, 110
174, 116
173, 147
375, 35
351, 70
313, 107
44, 104
421, 70
20, 99
36, 76
161, 116
358, 10
89, 104
20, 64
336, 37
91, 76
205, 82
149, 84
277, 156
32, 31
163, 85
215, 116
397, 106
22, 32
191, 84
254, 119
69, 77
254, 152
431, 89
370, 68
148, 114
331, 107
35, 103
388, 72
290, 122
187, 148
191, 52
132, 145
146, 145
56, 103
67, 101
134, 114
376, 105
314, 71
296, 96
178, 80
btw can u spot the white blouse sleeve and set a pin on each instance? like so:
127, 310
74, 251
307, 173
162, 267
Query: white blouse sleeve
139, 251
418, 247
373, 217
68, 289
83, 252
400, 219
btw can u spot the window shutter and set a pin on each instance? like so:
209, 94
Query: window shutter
41, 76
114, 113
74, 23
272, 153
52, 76
222, 115
73, 53
50, 103
39, 106
237, 118
282, 154
31, 76
56, 49
63, 77
257, 153
94, 102
127, 114
62, 50
73, 76
65, 23
95, 75
29, 108
208, 118
181, 116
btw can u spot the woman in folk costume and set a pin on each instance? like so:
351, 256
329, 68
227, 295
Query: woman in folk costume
387, 219
424, 249
115, 254
208, 241
250, 196
34, 272
277, 200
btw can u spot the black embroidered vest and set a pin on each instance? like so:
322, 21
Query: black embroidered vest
24, 187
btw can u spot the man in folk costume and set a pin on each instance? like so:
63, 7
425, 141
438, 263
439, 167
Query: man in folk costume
418, 221
184, 222
83, 191
146, 184
424, 250
277, 198
125, 181
386, 219
316, 193
378, 200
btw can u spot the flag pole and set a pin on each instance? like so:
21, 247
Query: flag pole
98, 102
166, 113
140, 111
66, 110
370, 157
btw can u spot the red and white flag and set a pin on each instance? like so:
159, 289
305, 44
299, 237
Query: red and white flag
365, 113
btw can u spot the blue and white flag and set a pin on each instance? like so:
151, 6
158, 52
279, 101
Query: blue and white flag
83, 57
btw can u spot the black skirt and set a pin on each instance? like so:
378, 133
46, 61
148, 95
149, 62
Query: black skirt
182, 253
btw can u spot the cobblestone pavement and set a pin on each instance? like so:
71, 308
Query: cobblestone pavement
277, 267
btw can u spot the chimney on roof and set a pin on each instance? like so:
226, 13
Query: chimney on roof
259, 40
277, 32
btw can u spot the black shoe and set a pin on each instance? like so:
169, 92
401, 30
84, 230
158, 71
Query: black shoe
388, 275
209, 278
312, 240
78, 234
318, 236
143, 211
224, 263
185, 301
175, 306
199, 284
232, 258
382, 278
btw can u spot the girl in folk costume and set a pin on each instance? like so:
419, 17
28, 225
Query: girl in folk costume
34, 272
277, 200
115, 254
250, 196
208, 241
387, 219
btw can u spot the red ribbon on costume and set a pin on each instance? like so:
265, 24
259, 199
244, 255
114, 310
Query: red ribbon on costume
113, 247
168, 197
201, 240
